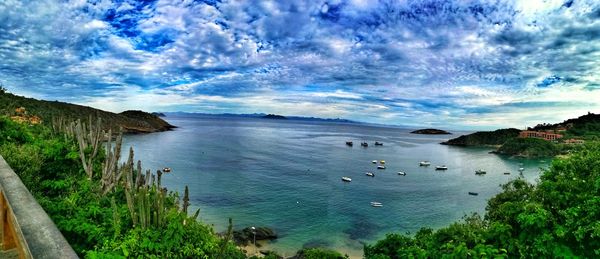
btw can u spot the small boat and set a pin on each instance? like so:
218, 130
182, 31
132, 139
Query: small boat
380, 167
378, 143
370, 174
167, 169
521, 169
424, 163
473, 193
364, 144
349, 143
374, 161
346, 179
382, 162
401, 173
480, 172
441, 167
376, 204
506, 173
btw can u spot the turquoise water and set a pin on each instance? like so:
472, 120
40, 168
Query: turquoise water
286, 175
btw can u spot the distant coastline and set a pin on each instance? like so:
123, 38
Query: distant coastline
260, 115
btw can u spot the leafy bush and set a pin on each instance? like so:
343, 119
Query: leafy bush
98, 225
558, 218
530, 147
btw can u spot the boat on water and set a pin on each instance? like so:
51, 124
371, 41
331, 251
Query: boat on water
349, 143
370, 174
480, 172
441, 167
167, 169
382, 162
378, 143
364, 144
380, 167
473, 193
374, 161
346, 179
506, 173
521, 169
424, 163
401, 173
376, 204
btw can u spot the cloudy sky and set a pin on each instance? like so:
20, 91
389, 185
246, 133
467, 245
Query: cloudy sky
465, 64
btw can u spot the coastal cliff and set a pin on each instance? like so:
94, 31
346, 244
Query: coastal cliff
484, 138
130, 121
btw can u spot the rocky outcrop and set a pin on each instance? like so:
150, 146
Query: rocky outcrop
431, 132
246, 235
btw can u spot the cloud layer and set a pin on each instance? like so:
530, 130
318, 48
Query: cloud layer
465, 64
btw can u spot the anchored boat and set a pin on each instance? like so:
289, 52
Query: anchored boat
424, 163
441, 167
346, 179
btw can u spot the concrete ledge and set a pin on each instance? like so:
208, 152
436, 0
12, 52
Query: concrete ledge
36, 234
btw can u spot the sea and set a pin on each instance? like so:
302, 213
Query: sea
286, 175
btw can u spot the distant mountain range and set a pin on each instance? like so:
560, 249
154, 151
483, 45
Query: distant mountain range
258, 115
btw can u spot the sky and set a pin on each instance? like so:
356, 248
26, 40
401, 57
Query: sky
457, 64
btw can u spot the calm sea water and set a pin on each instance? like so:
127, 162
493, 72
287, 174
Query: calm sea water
286, 175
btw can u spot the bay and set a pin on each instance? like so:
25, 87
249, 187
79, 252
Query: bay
286, 174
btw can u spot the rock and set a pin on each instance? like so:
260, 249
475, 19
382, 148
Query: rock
274, 116
430, 132
246, 235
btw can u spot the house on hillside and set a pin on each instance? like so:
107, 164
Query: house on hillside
546, 135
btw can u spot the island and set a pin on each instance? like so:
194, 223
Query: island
274, 116
431, 132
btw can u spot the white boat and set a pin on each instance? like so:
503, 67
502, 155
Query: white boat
370, 174
480, 172
374, 161
380, 167
401, 173
521, 169
375, 202
441, 167
424, 163
346, 179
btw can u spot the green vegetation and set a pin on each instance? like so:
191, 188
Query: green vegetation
318, 253
129, 121
484, 138
134, 218
530, 147
557, 218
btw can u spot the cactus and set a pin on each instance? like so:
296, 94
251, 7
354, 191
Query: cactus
186, 200
110, 173
88, 137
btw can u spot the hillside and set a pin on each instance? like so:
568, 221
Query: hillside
484, 138
130, 121
586, 126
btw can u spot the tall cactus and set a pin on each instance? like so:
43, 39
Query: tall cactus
88, 137
111, 175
